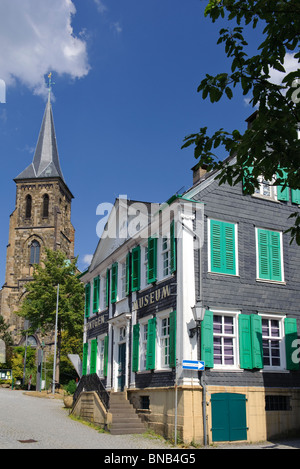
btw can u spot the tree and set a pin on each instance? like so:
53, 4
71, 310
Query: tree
39, 305
271, 146
5, 335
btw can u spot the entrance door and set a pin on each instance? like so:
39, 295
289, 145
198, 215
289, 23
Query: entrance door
228, 417
121, 366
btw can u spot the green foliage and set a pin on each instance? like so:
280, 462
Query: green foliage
272, 141
17, 363
71, 387
39, 305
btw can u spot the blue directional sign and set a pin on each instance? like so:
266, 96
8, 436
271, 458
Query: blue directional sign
193, 365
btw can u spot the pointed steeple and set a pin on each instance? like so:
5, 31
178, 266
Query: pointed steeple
45, 161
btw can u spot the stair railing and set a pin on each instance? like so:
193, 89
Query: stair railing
92, 383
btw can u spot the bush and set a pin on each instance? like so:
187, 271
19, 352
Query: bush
71, 386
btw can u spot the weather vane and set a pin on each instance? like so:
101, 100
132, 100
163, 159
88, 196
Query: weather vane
50, 83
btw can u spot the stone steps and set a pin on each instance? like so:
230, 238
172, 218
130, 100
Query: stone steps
124, 418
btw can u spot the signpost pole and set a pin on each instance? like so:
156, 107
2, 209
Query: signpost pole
55, 340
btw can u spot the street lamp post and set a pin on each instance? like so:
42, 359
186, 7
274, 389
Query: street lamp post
55, 341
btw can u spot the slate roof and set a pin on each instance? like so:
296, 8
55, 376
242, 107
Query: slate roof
45, 162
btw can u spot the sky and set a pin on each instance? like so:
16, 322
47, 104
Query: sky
125, 76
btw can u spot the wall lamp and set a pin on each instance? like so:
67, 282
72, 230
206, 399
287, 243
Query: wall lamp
198, 313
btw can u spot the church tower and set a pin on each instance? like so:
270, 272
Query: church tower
41, 219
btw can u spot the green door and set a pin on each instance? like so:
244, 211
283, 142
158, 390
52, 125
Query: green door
229, 421
121, 367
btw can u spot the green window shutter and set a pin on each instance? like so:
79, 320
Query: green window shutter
87, 299
222, 239
135, 268
114, 283
245, 341
93, 363
275, 255
151, 344
127, 287
152, 260
269, 255
107, 287
105, 355
263, 254
283, 194
207, 339
172, 361
295, 196
173, 247
256, 341
135, 347
290, 327
96, 286
84, 358
247, 171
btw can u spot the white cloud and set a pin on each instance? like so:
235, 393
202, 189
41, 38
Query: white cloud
87, 259
290, 64
100, 6
36, 37
116, 27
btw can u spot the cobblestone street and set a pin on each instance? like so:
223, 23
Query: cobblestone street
25, 418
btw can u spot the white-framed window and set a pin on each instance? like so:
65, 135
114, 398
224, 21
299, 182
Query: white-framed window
144, 266
273, 342
101, 356
102, 301
266, 188
165, 256
143, 345
163, 342
122, 280
225, 339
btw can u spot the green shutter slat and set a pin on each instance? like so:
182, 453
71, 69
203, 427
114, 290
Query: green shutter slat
295, 196
245, 341
135, 347
152, 260
107, 287
247, 171
283, 194
87, 299
135, 268
207, 339
114, 282
151, 344
84, 359
290, 328
172, 360
93, 363
256, 341
127, 287
96, 286
105, 358
173, 247
275, 256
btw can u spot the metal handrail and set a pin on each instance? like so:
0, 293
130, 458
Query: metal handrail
92, 383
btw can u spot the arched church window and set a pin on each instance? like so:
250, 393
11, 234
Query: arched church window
46, 206
28, 206
35, 252
31, 340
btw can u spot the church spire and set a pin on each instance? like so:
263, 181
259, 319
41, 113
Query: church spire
45, 162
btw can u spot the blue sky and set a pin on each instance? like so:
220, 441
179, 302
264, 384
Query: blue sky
125, 96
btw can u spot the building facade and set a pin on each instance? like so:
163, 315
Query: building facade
41, 219
228, 254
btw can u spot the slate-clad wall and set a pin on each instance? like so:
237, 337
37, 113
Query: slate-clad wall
244, 292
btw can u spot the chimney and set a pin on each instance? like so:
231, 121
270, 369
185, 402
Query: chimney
198, 172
